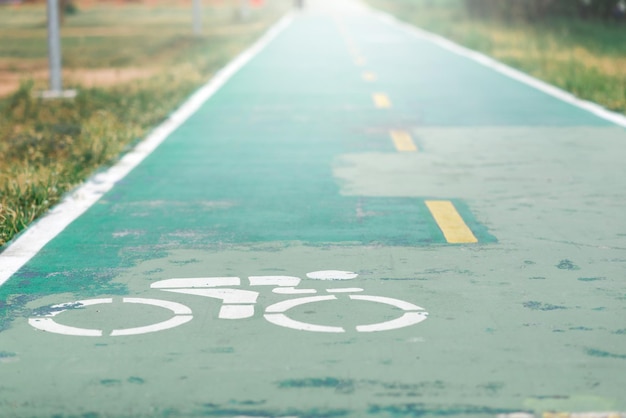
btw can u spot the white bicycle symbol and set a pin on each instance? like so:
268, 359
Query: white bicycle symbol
238, 304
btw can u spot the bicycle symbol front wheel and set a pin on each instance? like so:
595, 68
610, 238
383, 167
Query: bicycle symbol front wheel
413, 314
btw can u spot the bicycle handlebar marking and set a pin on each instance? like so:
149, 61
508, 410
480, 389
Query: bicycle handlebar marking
332, 275
197, 282
345, 290
292, 291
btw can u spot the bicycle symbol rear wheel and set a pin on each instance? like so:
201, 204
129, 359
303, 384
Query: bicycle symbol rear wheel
47, 323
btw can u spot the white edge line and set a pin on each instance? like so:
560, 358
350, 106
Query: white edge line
498, 66
37, 235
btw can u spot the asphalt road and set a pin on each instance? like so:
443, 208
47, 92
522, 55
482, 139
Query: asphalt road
357, 220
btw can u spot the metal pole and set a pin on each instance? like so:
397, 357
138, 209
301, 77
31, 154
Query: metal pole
243, 9
54, 46
197, 18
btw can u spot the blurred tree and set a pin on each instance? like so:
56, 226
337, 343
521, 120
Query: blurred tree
532, 10
66, 7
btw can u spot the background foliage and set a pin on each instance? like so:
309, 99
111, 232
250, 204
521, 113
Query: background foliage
539, 9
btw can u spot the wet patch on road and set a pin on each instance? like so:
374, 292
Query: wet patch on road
591, 279
540, 306
8, 357
237, 409
378, 388
605, 354
423, 410
339, 385
110, 382
567, 265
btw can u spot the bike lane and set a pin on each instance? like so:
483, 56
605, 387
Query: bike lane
345, 145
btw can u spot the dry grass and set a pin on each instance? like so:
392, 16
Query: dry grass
587, 58
109, 44
128, 81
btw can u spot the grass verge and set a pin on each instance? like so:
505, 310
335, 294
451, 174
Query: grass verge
47, 147
586, 58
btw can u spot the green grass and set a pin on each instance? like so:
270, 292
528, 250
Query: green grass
587, 58
47, 147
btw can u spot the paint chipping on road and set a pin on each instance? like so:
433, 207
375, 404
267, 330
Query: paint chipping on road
567, 265
540, 306
604, 354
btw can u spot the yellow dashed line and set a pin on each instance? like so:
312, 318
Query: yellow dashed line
450, 222
403, 141
369, 76
381, 100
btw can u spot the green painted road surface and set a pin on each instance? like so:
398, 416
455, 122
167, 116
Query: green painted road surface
482, 218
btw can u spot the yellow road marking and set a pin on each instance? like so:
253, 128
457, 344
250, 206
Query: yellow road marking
369, 76
450, 222
403, 141
381, 100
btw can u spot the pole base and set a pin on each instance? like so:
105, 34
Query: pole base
57, 94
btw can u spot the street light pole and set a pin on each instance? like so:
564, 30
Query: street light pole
54, 56
243, 9
54, 47
197, 18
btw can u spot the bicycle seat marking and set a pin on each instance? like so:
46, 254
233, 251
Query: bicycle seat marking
239, 304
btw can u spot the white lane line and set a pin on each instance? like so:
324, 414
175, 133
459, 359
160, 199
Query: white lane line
495, 65
37, 235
